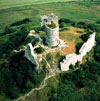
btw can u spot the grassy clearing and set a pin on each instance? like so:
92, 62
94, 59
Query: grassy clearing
72, 38
70, 10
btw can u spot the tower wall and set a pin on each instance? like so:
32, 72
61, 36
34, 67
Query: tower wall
52, 36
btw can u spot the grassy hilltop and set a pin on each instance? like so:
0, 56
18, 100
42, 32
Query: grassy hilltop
77, 20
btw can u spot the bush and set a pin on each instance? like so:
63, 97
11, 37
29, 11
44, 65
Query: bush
8, 30
91, 26
64, 20
63, 24
49, 57
39, 50
97, 28
24, 21
36, 29
43, 62
98, 21
52, 25
43, 28
81, 25
78, 46
35, 41
73, 24
71, 66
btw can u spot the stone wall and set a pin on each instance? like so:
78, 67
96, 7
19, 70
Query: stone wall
73, 58
30, 55
86, 47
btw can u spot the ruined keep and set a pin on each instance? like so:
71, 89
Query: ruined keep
52, 34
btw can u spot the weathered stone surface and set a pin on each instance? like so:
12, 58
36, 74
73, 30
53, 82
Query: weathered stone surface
52, 36
73, 58
87, 45
30, 55
47, 18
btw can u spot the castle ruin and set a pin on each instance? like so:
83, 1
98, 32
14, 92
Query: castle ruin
52, 39
52, 34
31, 56
74, 58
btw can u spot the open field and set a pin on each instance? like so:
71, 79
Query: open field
15, 3
71, 10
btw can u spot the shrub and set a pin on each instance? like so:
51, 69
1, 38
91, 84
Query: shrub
65, 20
43, 62
81, 25
35, 41
49, 57
24, 21
8, 30
73, 24
98, 21
36, 29
63, 24
43, 28
97, 28
52, 25
91, 26
71, 66
39, 50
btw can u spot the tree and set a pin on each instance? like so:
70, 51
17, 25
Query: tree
71, 67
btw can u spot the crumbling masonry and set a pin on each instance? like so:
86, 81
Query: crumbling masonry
52, 34
74, 58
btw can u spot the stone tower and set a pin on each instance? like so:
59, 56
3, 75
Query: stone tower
52, 34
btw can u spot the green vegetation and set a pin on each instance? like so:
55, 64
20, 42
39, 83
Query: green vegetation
11, 3
74, 10
49, 57
18, 75
35, 41
24, 21
52, 25
39, 50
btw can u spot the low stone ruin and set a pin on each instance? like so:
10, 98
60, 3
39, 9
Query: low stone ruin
74, 58
31, 56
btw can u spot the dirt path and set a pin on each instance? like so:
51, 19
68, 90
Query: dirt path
34, 89
42, 85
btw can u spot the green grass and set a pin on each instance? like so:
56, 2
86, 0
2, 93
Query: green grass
72, 10
15, 3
